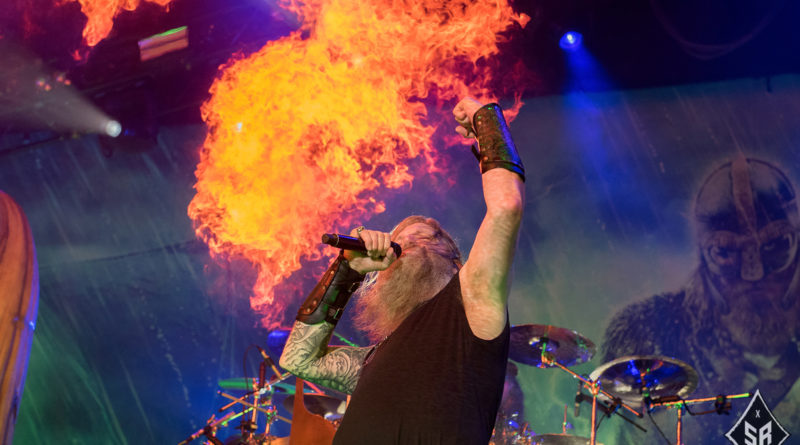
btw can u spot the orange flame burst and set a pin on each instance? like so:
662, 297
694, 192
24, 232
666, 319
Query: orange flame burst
302, 131
101, 13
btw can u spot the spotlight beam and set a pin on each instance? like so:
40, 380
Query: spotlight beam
36, 98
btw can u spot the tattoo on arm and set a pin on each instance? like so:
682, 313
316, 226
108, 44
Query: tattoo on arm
308, 356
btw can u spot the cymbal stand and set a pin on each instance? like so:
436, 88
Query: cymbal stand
721, 405
233, 416
210, 427
272, 416
248, 404
594, 387
212, 424
249, 426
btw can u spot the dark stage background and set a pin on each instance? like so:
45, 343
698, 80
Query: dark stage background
137, 324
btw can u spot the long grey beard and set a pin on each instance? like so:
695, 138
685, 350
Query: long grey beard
756, 316
416, 277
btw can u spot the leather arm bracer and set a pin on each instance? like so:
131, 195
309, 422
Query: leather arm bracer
327, 300
497, 149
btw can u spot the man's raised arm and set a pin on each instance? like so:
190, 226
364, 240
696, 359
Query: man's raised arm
485, 277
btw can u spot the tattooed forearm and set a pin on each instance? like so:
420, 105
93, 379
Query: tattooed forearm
308, 356
305, 344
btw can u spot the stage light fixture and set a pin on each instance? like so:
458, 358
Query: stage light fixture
570, 41
113, 128
163, 43
132, 125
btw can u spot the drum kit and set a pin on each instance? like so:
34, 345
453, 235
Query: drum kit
627, 386
264, 399
634, 385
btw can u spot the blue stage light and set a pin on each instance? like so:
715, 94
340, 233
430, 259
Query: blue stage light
570, 41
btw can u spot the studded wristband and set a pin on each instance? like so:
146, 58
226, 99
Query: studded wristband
327, 300
497, 149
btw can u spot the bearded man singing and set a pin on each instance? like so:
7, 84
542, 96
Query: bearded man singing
436, 372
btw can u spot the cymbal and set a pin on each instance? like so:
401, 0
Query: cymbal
560, 439
242, 384
567, 347
633, 378
322, 405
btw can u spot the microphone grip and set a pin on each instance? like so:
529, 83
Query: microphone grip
350, 243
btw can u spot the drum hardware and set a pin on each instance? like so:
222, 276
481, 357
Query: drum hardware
639, 379
246, 384
210, 429
721, 403
259, 439
330, 408
658, 381
611, 408
560, 439
315, 389
565, 425
510, 427
249, 426
270, 412
262, 391
721, 406
546, 346
213, 425
235, 415
530, 341
595, 390
637, 383
563, 438
260, 387
512, 432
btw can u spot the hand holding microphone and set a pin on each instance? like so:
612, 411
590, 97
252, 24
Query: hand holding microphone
356, 244
366, 250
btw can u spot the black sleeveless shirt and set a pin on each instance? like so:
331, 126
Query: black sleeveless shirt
431, 382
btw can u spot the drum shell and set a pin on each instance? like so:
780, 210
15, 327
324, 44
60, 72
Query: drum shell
19, 300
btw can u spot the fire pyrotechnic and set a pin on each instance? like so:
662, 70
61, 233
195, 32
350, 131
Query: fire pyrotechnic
304, 132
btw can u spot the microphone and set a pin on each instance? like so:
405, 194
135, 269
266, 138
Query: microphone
268, 362
356, 244
578, 399
262, 374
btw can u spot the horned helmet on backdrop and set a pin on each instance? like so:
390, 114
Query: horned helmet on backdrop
746, 222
